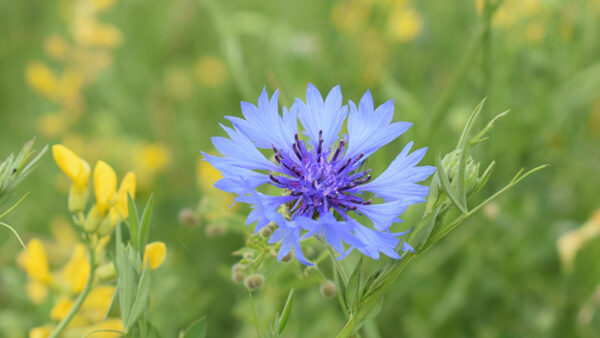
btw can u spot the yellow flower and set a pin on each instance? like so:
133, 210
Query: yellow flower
89, 32
101, 5
77, 169
105, 186
36, 262
155, 254
404, 23
40, 332
154, 156
127, 187
56, 47
61, 308
52, 124
75, 272
210, 71
42, 79
36, 291
351, 17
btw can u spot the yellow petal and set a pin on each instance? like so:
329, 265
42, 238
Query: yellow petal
61, 308
207, 175
40, 332
105, 185
109, 324
77, 169
42, 79
75, 273
97, 303
36, 262
155, 254
127, 187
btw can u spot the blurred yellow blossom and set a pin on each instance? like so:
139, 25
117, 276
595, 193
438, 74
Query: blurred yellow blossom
56, 47
51, 125
40, 332
75, 273
206, 175
101, 5
352, 16
35, 261
404, 23
61, 308
210, 71
535, 31
155, 254
105, 186
42, 79
570, 243
97, 303
36, 291
89, 32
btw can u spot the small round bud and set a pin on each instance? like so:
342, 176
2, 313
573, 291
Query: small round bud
254, 282
188, 217
237, 276
287, 257
266, 232
238, 267
328, 289
248, 255
491, 210
213, 230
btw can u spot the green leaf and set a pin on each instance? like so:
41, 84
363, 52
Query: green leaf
352, 290
141, 298
423, 232
113, 302
133, 220
144, 225
287, 309
480, 137
196, 330
348, 328
126, 278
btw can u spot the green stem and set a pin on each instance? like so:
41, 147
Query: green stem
254, 313
81, 298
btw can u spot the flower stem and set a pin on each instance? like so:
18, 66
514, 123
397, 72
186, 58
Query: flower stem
82, 296
254, 313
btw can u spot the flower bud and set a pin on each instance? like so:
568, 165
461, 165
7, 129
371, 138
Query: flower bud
254, 281
106, 271
92, 221
188, 217
77, 198
213, 230
266, 232
328, 289
109, 223
105, 186
238, 267
237, 276
248, 255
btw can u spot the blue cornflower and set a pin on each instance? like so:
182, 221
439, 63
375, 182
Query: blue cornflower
321, 175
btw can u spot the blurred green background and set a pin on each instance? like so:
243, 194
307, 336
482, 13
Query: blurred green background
144, 84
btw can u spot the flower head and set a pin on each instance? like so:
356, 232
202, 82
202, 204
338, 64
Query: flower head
321, 174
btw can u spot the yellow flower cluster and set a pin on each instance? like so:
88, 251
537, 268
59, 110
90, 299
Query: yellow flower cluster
403, 23
71, 279
111, 204
570, 243
84, 55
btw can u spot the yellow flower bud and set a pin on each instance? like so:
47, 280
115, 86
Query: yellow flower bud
155, 254
40, 332
105, 186
93, 219
78, 171
127, 187
42, 79
106, 271
61, 308
36, 262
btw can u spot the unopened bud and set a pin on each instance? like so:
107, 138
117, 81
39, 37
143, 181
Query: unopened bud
106, 271
254, 282
266, 232
109, 223
77, 199
237, 276
188, 217
92, 221
248, 255
213, 230
237, 267
328, 289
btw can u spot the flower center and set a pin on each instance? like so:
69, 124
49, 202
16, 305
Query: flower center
320, 178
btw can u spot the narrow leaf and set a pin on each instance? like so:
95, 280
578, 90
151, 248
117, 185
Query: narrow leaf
354, 285
196, 330
287, 309
145, 225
